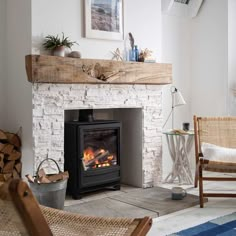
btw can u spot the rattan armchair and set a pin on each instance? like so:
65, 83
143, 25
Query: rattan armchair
20, 214
219, 132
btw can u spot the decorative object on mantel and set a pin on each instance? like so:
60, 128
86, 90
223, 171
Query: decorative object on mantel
74, 54
104, 19
135, 54
117, 55
57, 45
133, 51
146, 56
49, 69
10, 155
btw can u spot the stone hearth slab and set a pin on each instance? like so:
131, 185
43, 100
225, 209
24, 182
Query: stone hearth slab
110, 208
157, 199
152, 202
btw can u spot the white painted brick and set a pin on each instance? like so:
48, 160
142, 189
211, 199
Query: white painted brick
37, 112
56, 125
52, 110
97, 92
43, 87
81, 87
72, 104
43, 124
140, 87
154, 87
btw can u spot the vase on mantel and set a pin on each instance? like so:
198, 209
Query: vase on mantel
59, 51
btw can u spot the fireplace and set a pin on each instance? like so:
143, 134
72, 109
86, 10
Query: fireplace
137, 107
92, 155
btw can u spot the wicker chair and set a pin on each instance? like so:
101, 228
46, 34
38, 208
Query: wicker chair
20, 214
220, 131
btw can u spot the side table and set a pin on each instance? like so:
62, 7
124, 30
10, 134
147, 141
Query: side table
179, 145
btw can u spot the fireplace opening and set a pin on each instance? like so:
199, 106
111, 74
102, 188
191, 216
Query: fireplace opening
92, 155
128, 160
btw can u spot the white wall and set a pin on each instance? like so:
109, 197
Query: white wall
232, 57
198, 49
176, 40
18, 90
144, 22
210, 59
2, 64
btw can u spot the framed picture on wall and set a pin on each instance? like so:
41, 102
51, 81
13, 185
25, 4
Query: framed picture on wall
104, 19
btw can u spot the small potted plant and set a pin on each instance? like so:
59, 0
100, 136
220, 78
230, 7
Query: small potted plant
57, 45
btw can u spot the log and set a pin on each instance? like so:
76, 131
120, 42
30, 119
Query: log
44, 180
8, 167
5, 177
15, 155
1, 160
18, 167
59, 176
41, 173
8, 148
2, 145
30, 178
15, 174
2, 135
13, 139
2, 178
97, 158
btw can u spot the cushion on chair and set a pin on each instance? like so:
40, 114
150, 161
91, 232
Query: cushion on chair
216, 153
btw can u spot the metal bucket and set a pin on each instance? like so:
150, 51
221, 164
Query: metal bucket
50, 194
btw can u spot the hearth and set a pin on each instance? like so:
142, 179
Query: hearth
92, 155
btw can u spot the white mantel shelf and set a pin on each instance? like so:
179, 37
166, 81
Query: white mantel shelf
65, 70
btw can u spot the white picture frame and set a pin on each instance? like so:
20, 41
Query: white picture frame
104, 19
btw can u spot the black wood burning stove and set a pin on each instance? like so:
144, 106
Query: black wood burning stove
92, 156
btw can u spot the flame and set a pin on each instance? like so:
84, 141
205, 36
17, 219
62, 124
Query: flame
90, 154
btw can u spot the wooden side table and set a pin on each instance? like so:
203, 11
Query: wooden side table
179, 145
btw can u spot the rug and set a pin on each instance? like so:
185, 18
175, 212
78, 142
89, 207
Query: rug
134, 203
221, 226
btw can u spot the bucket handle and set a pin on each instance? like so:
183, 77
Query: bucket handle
48, 159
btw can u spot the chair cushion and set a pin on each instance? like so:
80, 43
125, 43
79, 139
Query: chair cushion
216, 153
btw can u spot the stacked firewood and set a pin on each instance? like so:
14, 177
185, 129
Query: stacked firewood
43, 178
10, 156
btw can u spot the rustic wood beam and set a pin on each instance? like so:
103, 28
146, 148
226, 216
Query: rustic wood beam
52, 69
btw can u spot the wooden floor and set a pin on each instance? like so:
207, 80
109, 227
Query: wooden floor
130, 202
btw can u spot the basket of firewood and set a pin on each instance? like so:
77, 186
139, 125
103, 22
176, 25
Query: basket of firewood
49, 189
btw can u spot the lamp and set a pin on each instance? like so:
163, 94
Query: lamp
177, 100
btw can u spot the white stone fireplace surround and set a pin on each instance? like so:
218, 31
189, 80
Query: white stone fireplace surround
51, 101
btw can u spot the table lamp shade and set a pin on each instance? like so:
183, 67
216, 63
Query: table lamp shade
177, 100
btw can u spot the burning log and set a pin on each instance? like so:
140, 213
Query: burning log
10, 156
99, 155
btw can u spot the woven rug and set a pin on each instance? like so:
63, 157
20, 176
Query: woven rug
222, 226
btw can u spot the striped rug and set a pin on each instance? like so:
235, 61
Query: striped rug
223, 226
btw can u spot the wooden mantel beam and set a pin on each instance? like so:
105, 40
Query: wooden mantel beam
52, 69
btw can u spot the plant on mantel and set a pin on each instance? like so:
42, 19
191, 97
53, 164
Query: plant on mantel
57, 45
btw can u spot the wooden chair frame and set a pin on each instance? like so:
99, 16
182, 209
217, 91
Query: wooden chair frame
34, 220
201, 163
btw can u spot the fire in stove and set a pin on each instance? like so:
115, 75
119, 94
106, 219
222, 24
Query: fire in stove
98, 158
